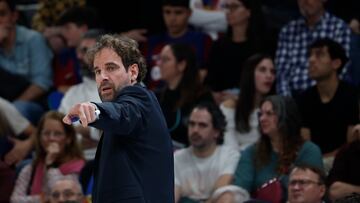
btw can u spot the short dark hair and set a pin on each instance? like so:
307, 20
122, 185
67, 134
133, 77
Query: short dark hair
11, 4
126, 48
217, 117
80, 16
181, 3
335, 49
321, 174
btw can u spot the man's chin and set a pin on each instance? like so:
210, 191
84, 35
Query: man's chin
106, 98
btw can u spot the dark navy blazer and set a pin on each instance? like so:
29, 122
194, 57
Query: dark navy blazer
134, 159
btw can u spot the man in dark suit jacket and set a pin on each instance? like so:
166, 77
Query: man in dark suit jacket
134, 160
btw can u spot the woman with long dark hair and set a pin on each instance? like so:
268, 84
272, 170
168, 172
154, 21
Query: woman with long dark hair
258, 79
280, 146
183, 88
245, 37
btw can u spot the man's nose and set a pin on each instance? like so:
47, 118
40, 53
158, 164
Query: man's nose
261, 117
61, 199
104, 75
195, 128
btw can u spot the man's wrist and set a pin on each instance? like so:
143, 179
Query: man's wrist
97, 111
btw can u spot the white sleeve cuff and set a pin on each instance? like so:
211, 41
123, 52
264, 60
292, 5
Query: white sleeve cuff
240, 194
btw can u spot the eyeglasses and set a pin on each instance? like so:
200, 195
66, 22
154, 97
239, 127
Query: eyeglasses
303, 183
231, 7
56, 134
67, 194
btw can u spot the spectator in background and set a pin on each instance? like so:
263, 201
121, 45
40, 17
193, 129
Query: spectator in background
66, 190
16, 143
85, 91
208, 16
245, 37
45, 18
7, 171
48, 12
279, 147
57, 155
344, 177
183, 89
24, 53
258, 79
205, 166
176, 14
18, 127
73, 23
328, 117
291, 55
306, 185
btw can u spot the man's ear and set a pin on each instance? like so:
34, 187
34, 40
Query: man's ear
322, 190
133, 73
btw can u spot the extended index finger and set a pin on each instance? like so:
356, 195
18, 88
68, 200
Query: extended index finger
67, 119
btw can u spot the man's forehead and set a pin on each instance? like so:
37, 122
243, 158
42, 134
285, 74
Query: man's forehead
106, 55
320, 48
297, 172
200, 114
64, 184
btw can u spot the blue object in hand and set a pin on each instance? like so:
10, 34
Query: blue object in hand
76, 119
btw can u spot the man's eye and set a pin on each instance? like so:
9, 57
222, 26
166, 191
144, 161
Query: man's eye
110, 68
203, 125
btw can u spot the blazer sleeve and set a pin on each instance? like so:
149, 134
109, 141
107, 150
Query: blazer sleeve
127, 113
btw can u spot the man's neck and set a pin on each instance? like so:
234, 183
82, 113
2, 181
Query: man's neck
327, 88
311, 21
9, 41
239, 32
178, 34
205, 151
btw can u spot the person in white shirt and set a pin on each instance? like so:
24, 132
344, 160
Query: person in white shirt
205, 166
85, 91
208, 16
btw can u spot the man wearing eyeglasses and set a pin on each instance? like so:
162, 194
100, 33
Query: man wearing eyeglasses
306, 185
66, 191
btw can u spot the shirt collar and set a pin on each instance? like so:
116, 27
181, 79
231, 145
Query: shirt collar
323, 19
